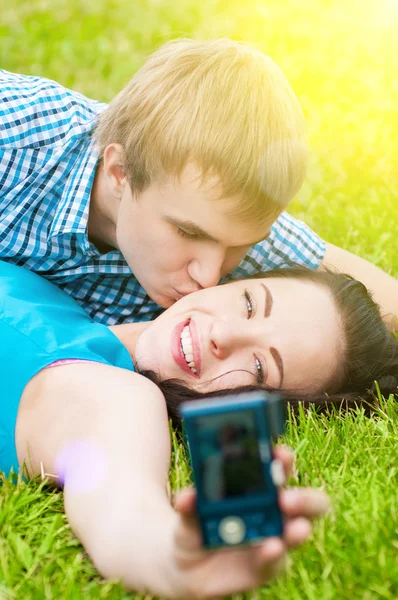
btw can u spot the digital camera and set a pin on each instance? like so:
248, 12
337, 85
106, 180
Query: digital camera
235, 474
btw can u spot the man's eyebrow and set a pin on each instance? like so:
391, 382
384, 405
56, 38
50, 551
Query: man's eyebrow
274, 352
192, 228
201, 234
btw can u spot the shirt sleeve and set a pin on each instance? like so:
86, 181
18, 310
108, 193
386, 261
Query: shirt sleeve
291, 242
41, 122
36, 112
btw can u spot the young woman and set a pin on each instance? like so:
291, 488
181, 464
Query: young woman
103, 428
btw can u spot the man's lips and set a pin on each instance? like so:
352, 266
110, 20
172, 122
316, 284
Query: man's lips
176, 349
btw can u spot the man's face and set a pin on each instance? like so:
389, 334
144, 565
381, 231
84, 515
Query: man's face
177, 237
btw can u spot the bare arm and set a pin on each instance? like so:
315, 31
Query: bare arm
383, 287
115, 485
115, 489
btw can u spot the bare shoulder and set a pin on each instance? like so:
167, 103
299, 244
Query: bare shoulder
91, 380
81, 400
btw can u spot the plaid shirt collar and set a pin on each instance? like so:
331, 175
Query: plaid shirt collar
74, 206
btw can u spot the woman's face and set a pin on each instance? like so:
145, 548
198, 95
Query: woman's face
283, 333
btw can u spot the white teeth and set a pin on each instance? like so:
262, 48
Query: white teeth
187, 348
187, 345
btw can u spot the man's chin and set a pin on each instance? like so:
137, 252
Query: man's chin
162, 300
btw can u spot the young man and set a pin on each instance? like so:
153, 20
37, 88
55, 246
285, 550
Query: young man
180, 182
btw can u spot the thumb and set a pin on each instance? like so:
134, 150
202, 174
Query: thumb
185, 502
188, 534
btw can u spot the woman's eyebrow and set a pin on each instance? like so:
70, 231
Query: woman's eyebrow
274, 352
268, 301
279, 363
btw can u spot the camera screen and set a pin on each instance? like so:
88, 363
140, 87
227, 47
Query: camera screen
229, 454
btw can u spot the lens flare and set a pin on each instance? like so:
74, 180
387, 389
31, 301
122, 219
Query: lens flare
83, 465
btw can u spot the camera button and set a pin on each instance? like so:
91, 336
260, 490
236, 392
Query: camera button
232, 530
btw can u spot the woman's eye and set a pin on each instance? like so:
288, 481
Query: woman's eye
186, 234
249, 303
259, 371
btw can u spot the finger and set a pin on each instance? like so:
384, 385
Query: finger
271, 558
272, 550
250, 567
296, 532
188, 536
185, 501
304, 502
286, 456
239, 569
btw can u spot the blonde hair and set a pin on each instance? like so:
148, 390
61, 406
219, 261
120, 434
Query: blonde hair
222, 105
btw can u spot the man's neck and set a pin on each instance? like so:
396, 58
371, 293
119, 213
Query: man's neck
103, 215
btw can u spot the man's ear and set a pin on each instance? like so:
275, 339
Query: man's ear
113, 168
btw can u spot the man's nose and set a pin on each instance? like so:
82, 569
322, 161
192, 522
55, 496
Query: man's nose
206, 269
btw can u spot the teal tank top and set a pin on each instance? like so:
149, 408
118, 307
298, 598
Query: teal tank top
39, 325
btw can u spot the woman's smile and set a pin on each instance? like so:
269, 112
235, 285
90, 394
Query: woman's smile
185, 348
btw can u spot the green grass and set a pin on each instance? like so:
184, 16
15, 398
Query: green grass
352, 556
342, 59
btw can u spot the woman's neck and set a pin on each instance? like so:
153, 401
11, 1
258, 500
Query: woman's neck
128, 334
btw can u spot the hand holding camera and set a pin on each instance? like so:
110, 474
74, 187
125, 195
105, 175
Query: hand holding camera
222, 572
237, 503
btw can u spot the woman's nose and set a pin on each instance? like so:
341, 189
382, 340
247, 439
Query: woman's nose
227, 336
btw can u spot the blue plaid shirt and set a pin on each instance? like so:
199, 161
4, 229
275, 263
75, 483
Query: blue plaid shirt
47, 167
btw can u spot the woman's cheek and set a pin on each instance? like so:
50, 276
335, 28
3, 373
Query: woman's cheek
229, 380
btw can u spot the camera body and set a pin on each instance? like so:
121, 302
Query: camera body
235, 474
